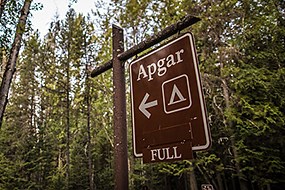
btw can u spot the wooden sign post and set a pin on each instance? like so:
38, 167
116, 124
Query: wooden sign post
120, 128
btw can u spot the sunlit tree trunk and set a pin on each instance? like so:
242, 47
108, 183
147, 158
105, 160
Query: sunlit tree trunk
11, 64
3, 63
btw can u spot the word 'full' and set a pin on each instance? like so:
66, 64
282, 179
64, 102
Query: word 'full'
169, 153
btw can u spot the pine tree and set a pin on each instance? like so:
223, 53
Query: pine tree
13, 56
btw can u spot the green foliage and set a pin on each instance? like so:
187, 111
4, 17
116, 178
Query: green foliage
8, 22
241, 52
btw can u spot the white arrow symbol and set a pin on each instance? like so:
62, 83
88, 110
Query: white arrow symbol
143, 105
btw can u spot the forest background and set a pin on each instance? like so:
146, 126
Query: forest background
57, 130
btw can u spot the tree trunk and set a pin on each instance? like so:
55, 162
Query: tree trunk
242, 182
193, 181
2, 6
208, 178
11, 64
3, 64
220, 181
88, 102
67, 123
67, 136
68, 102
225, 182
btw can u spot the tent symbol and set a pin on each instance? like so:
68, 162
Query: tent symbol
176, 94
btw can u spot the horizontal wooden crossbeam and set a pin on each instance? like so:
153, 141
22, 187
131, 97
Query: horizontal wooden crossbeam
160, 36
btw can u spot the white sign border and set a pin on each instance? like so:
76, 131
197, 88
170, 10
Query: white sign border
202, 103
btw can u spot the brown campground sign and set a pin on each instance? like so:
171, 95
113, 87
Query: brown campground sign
168, 110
